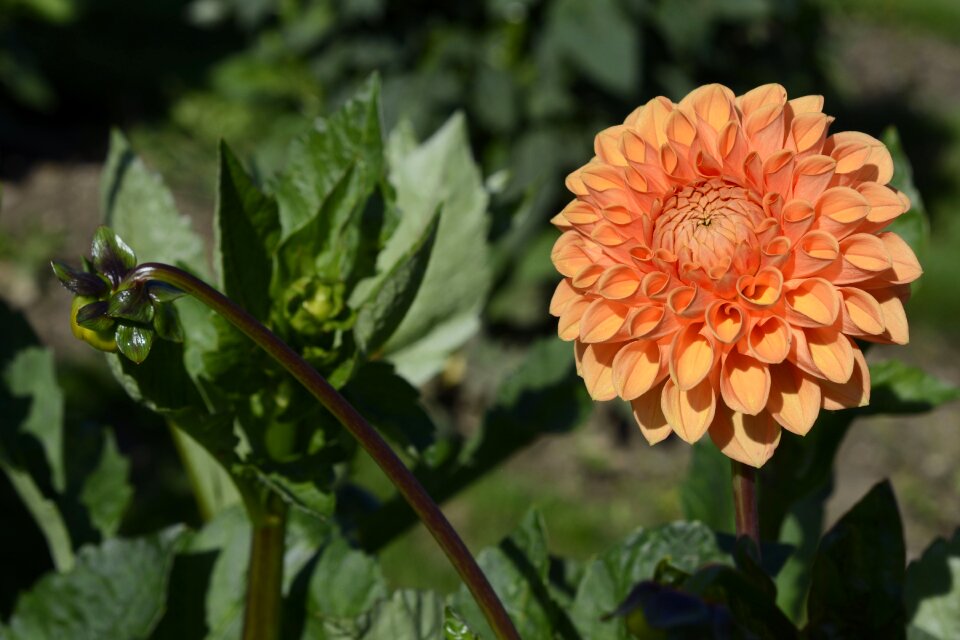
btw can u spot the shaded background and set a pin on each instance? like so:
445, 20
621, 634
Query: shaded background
536, 79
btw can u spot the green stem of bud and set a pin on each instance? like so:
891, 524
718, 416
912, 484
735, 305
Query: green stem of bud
401, 477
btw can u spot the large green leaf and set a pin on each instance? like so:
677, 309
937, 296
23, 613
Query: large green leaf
609, 579
518, 570
439, 175
247, 227
408, 615
116, 590
858, 573
932, 590
105, 491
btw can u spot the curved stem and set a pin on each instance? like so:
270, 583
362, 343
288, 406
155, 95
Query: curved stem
745, 502
405, 482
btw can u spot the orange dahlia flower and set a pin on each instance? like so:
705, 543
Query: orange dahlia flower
719, 259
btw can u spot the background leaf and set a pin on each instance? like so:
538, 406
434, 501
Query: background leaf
932, 590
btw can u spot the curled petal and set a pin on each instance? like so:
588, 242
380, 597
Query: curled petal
778, 171
794, 398
580, 212
568, 255
854, 392
809, 130
831, 352
637, 368
602, 320
568, 328
646, 321
816, 252
764, 130
595, 366
747, 439
691, 357
813, 175
769, 340
864, 257
767, 95
896, 329
775, 252
885, 202
796, 218
862, 314
762, 290
587, 276
618, 282
861, 155
689, 412
648, 413
840, 209
687, 302
654, 285
606, 145
811, 302
906, 268
744, 383
725, 320
806, 104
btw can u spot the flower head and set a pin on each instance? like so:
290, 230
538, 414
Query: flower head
719, 259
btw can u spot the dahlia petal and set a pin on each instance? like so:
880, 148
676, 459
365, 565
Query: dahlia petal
580, 212
562, 296
840, 209
690, 411
885, 202
648, 413
568, 255
598, 177
680, 131
816, 252
587, 276
811, 302
762, 290
796, 218
596, 368
813, 176
744, 383
808, 131
637, 368
574, 183
832, 353
648, 321
606, 145
864, 256
778, 171
747, 439
753, 170
650, 122
862, 313
906, 268
607, 235
732, 147
769, 339
560, 222
725, 320
654, 285
691, 357
806, 104
687, 302
775, 252
764, 130
855, 392
602, 320
861, 154
794, 398
568, 327
767, 95
617, 215
896, 329
618, 282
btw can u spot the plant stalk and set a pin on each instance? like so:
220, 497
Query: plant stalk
264, 599
401, 477
745, 502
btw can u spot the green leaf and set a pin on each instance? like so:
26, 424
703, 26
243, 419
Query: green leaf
247, 226
116, 590
609, 579
612, 57
454, 628
384, 309
408, 615
347, 142
439, 175
94, 316
913, 226
345, 584
79, 282
106, 492
932, 590
700, 498
899, 388
131, 304
518, 569
858, 573
134, 342
166, 322
140, 209
391, 404
31, 375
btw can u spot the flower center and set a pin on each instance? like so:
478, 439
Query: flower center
706, 222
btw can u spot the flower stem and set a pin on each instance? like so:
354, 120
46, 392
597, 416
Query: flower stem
264, 603
745, 502
401, 477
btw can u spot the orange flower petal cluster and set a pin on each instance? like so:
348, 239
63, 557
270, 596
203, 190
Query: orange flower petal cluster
719, 259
